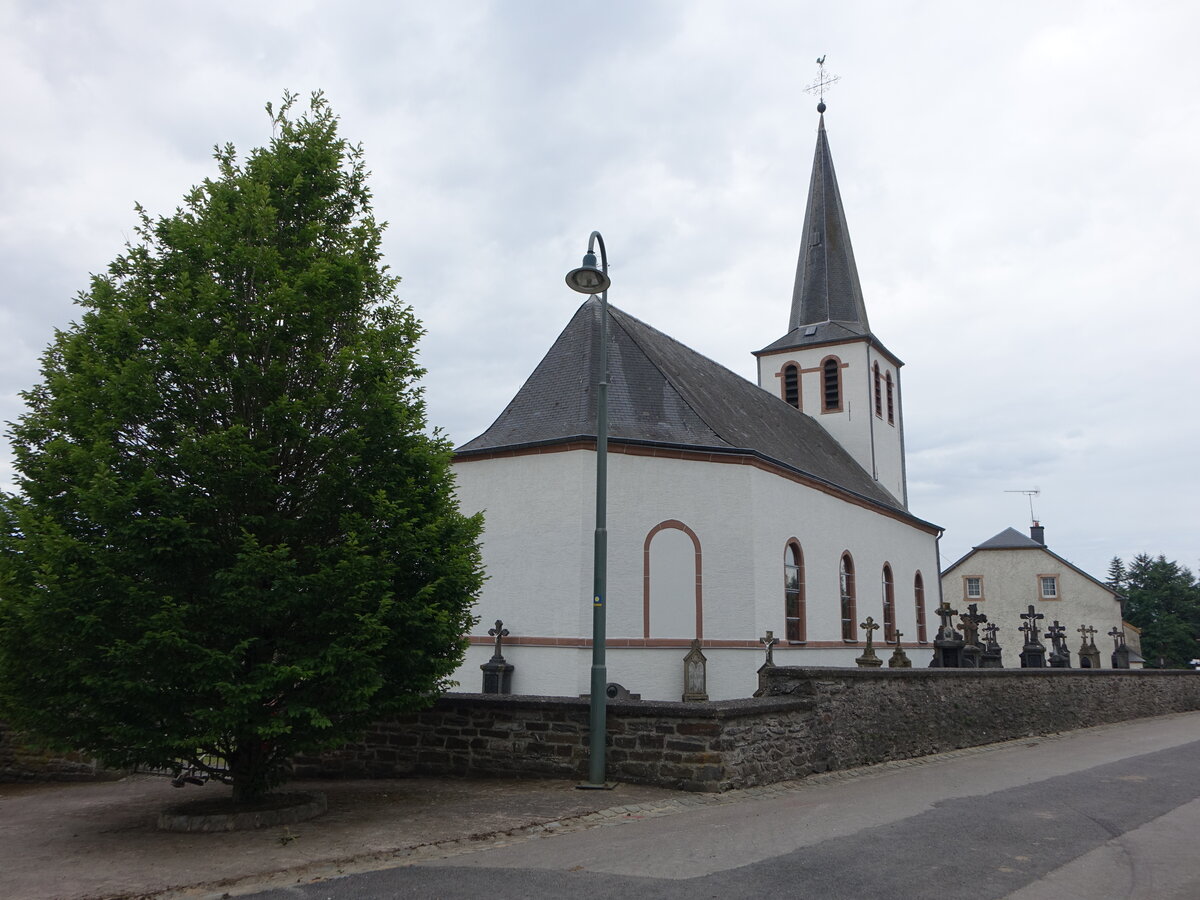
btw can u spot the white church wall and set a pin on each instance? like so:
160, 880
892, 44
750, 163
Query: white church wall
537, 541
1011, 583
887, 436
826, 527
539, 514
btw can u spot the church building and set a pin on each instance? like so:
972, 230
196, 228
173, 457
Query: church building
734, 509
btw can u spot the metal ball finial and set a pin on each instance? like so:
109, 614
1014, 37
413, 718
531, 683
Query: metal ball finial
821, 107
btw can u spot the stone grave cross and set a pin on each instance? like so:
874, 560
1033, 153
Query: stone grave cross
1118, 636
868, 658
971, 620
944, 612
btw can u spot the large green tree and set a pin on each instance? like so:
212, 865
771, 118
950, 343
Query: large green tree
233, 534
1163, 600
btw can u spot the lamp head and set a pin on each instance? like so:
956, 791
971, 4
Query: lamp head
588, 278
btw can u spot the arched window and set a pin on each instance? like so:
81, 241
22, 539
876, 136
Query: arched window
891, 401
919, 596
889, 605
849, 612
878, 393
791, 385
831, 381
793, 592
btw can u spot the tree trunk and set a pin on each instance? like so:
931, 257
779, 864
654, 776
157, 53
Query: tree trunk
250, 767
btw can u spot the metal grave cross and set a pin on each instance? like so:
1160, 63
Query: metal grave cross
1057, 634
769, 641
499, 633
1031, 627
1118, 636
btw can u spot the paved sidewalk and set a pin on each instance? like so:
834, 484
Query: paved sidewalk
92, 841
74, 841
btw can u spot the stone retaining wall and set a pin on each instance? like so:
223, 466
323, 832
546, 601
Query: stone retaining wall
808, 720
23, 760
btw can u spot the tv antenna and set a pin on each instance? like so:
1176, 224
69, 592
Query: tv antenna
1030, 494
823, 81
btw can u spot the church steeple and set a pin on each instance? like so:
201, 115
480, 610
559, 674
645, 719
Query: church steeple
829, 364
827, 289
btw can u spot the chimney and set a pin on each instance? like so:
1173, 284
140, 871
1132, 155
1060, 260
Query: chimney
1038, 532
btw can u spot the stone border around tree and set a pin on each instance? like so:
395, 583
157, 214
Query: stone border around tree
307, 805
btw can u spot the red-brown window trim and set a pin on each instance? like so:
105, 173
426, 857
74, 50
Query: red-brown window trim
889, 604
919, 599
848, 600
878, 393
831, 372
662, 526
793, 556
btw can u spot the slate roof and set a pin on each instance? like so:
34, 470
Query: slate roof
827, 298
664, 393
1010, 539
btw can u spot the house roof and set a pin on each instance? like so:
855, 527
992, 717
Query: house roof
1011, 539
663, 393
827, 299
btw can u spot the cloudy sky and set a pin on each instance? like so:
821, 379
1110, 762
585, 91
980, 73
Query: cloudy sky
1020, 180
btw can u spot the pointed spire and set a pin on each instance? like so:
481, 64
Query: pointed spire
827, 287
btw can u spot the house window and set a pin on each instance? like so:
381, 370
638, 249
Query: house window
1049, 585
878, 393
831, 380
791, 385
973, 587
891, 403
919, 598
793, 592
889, 605
846, 578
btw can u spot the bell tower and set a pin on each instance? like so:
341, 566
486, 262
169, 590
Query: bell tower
830, 365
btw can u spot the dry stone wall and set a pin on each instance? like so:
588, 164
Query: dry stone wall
22, 759
806, 720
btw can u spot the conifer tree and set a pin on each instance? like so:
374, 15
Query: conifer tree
233, 534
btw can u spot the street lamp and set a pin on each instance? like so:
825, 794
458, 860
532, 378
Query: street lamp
588, 279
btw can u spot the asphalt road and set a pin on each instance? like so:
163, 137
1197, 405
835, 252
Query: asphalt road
1104, 814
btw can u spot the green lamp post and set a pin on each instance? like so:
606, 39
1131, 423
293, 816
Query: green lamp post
588, 279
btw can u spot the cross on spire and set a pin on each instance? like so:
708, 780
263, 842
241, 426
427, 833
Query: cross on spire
823, 81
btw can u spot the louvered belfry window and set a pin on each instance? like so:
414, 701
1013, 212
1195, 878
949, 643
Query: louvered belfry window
791, 385
832, 384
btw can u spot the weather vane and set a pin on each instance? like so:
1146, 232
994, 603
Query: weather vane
823, 81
